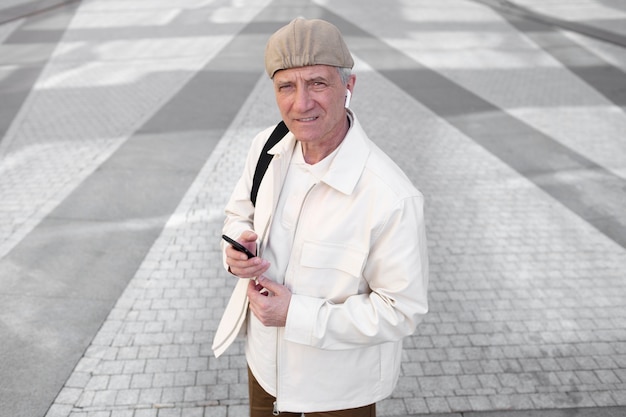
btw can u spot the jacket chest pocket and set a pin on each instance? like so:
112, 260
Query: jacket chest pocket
330, 271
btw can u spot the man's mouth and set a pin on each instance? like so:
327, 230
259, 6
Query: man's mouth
307, 119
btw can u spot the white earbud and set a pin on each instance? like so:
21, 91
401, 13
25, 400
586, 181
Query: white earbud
348, 97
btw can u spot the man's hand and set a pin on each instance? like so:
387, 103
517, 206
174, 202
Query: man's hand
238, 262
269, 306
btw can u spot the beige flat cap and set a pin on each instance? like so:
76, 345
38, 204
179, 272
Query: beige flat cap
306, 42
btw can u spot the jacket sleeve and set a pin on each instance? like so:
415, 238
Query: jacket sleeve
239, 209
397, 274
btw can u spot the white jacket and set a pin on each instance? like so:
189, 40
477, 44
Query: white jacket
358, 273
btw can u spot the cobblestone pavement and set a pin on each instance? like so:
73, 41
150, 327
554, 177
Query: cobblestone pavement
509, 116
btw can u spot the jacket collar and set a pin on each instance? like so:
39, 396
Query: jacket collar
346, 168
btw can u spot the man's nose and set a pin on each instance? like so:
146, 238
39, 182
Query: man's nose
302, 100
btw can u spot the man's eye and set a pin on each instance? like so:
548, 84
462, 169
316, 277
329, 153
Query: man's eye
318, 85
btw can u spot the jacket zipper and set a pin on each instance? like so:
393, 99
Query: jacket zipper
276, 411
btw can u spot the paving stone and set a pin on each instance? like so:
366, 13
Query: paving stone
526, 297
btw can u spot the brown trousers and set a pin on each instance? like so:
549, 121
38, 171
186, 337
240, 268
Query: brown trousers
262, 405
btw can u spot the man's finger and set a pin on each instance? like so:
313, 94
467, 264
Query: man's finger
270, 285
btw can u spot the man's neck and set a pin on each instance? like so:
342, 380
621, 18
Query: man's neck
314, 153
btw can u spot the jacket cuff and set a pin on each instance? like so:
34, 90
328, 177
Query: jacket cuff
301, 319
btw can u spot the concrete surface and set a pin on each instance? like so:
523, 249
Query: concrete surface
123, 126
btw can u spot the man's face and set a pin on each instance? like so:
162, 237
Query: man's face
311, 102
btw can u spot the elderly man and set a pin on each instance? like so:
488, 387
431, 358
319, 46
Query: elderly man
338, 264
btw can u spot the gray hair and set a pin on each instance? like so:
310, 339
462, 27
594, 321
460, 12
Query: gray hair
344, 74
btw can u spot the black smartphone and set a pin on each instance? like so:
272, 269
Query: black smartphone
238, 246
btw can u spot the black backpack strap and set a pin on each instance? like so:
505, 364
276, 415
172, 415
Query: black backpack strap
265, 158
